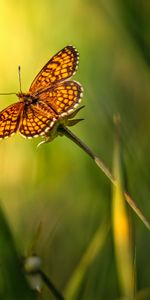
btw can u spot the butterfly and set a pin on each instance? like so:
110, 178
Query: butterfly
52, 97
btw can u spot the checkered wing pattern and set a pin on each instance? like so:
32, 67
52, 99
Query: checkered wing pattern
9, 119
63, 98
36, 121
59, 68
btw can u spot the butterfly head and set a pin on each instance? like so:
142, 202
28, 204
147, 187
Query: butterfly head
27, 98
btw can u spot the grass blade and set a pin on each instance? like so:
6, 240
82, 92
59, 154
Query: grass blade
93, 249
13, 283
122, 227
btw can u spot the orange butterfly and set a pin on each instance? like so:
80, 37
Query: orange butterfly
51, 97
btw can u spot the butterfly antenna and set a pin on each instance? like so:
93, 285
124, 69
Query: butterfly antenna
8, 93
13, 93
19, 74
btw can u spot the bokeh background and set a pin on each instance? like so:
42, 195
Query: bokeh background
57, 185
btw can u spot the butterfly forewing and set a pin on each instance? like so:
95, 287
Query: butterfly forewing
59, 68
10, 118
63, 98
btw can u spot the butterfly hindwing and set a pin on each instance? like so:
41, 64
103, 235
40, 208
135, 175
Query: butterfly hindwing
36, 121
63, 98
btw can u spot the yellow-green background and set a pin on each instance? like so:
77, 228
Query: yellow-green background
57, 185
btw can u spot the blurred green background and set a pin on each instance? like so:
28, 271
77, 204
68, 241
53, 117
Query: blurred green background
57, 185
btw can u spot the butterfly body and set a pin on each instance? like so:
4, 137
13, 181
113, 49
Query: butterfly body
52, 98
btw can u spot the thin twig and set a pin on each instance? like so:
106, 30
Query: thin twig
32, 267
63, 130
51, 286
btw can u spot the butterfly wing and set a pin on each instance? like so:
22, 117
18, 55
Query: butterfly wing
36, 121
10, 119
59, 101
59, 68
62, 98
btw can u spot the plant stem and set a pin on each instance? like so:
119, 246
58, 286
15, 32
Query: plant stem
51, 286
63, 130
